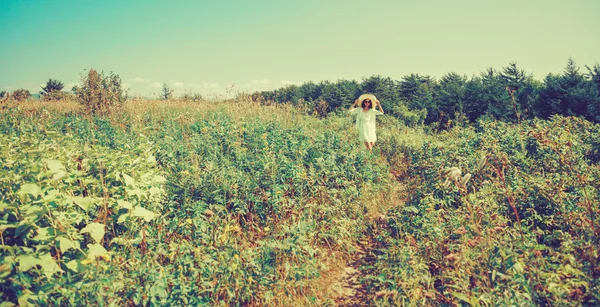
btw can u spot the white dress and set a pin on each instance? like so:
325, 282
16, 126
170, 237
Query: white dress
365, 123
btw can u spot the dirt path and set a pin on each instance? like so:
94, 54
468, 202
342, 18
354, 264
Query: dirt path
351, 279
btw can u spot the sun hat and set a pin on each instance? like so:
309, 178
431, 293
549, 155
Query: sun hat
371, 97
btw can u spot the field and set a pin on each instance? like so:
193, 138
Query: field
233, 203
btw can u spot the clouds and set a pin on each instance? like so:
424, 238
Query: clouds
138, 80
288, 83
147, 86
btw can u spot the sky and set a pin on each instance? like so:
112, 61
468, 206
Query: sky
228, 46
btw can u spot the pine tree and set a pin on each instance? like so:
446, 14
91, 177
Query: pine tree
52, 90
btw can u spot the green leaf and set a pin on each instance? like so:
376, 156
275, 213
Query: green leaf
24, 299
123, 218
143, 213
59, 175
54, 166
96, 231
95, 250
73, 265
26, 262
124, 204
129, 181
30, 188
67, 244
85, 202
49, 266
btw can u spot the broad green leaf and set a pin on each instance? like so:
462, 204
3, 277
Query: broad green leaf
73, 265
30, 188
96, 231
129, 181
26, 262
44, 234
85, 202
124, 204
143, 213
67, 244
59, 175
95, 250
123, 218
24, 299
54, 166
49, 266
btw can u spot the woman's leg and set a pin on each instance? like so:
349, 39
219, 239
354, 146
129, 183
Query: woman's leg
371, 145
367, 146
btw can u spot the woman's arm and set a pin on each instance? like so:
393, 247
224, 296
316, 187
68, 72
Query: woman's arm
353, 105
380, 107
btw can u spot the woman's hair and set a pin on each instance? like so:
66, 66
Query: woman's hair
370, 104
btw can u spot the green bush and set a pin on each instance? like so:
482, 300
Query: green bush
99, 93
21, 94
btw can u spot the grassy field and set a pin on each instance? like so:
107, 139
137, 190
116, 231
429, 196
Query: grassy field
234, 203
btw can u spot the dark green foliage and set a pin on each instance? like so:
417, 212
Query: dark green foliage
510, 94
99, 93
21, 94
52, 90
569, 93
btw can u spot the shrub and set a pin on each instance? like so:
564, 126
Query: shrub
99, 93
192, 97
21, 94
52, 90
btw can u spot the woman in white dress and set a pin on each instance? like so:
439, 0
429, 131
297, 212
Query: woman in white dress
365, 118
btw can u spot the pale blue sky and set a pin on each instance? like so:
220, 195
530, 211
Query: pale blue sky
203, 46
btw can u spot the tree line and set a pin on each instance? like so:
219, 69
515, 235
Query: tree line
509, 94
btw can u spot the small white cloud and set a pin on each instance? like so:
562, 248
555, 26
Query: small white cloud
139, 80
288, 82
178, 84
155, 84
69, 86
210, 85
260, 82
126, 86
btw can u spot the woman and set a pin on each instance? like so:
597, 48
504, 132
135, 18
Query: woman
365, 118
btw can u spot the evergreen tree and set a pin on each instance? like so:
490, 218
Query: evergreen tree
384, 88
52, 90
498, 98
310, 91
593, 108
450, 97
568, 94
166, 92
475, 103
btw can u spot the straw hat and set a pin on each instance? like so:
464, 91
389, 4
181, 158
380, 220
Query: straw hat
371, 97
